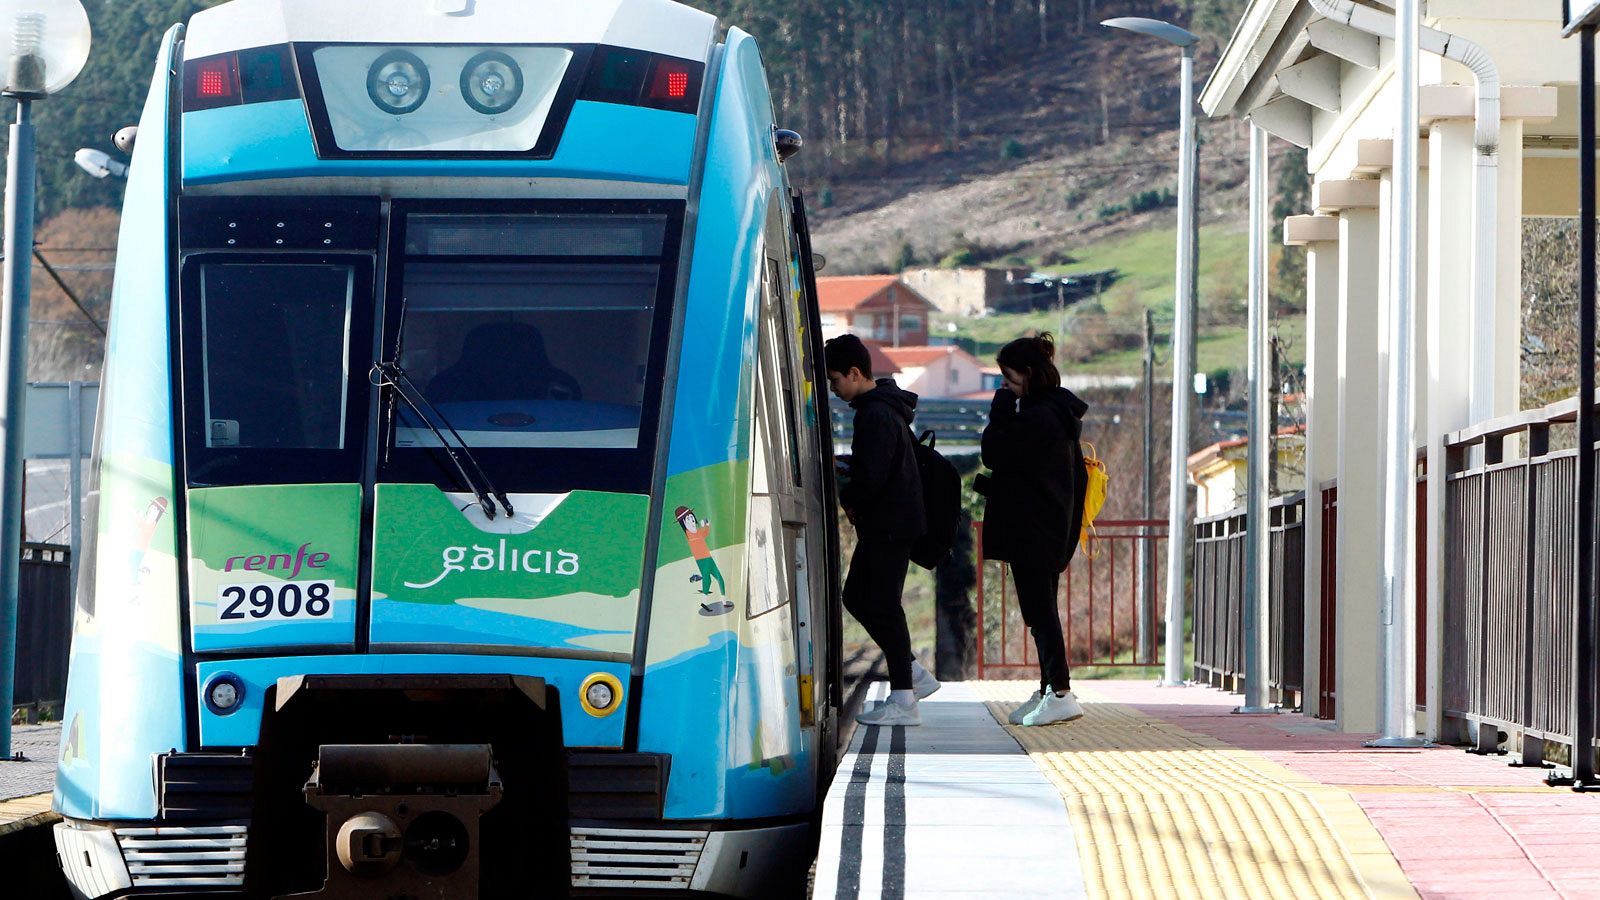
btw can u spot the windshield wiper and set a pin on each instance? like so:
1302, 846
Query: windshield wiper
395, 376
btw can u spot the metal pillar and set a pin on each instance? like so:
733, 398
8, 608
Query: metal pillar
1583, 657
13, 375
1258, 542
75, 485
1395, 696
1147, 479
1182, 380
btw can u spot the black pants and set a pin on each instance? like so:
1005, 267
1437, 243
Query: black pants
872, 594
1036, 599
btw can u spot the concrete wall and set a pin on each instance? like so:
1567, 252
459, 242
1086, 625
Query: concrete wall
964, 292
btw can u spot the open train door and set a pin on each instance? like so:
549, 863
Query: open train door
828, 604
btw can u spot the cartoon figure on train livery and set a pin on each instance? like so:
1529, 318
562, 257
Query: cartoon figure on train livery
697, 533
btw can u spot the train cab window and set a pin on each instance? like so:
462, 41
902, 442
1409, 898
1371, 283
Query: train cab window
268, 345
540, 338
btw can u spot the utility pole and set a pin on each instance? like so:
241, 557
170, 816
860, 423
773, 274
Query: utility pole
1146, 560
894, 310
1061, 308
1274, 404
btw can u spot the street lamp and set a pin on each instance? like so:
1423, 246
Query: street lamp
48, 44
1183, 313
100, 164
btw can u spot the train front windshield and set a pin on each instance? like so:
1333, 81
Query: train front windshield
537, 333
543, 353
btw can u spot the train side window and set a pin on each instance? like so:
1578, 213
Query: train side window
781, 332
769, 582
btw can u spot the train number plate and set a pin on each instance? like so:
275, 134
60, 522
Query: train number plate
290, 601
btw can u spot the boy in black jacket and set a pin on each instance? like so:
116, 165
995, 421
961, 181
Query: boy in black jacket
883, 499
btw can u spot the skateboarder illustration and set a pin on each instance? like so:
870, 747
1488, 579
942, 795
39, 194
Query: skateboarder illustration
697, 532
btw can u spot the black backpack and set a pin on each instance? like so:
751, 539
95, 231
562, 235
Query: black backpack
941, 503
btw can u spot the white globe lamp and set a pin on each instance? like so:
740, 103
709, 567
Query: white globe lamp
46, 43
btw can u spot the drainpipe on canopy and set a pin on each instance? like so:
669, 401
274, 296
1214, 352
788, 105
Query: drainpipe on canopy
1486, 197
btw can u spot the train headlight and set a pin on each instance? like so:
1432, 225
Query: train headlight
398, 82
600, 695
224, 694
491, 82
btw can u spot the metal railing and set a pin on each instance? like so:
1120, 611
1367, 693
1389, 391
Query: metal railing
1219, 565
1102, 596
1510, 579
955, 421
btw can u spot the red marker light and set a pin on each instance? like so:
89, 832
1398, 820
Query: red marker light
670, 85
212, 82
216, 78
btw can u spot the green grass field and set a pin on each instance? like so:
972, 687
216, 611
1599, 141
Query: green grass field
1146, 263
1147, 260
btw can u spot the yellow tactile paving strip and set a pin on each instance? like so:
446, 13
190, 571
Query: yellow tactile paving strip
1162, 812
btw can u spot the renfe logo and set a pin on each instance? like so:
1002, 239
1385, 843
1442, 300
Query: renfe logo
485, 559
279, 561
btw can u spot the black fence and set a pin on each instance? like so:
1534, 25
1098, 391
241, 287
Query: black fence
1219, 565
1510, 580
44, 627
956, 421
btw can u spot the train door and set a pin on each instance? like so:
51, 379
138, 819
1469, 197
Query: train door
803, 502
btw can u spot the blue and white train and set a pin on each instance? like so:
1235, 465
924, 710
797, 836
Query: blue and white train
463, 521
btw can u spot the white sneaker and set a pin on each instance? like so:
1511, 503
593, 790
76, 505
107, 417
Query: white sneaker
1053, 709
1027, 707
923, 683
891, 713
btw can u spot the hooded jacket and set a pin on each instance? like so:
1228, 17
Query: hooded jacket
1034, 500
885, 488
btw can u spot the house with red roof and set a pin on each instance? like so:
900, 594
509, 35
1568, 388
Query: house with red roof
874, 308
936, 372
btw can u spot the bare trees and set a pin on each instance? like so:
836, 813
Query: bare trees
860, 76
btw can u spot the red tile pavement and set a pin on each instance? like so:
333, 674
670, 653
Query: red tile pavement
1460, 825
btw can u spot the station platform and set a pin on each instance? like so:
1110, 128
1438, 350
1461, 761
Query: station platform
1162, 792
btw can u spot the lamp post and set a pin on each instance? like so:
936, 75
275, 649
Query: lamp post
1582, 18
48, 44
1183, 315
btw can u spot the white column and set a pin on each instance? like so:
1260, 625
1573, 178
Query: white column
1320, 236
1361, 419
1508, 274
1449, 378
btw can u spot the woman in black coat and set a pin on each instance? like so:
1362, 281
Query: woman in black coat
1034, 506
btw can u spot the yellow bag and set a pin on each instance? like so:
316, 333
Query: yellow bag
1094, 496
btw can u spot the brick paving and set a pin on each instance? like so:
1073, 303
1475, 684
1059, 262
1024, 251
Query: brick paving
36, 774
1461, 826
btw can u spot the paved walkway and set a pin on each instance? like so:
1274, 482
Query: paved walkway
1162, 793
1459, 825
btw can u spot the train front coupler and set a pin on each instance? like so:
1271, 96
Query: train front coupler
403, 820
448, 786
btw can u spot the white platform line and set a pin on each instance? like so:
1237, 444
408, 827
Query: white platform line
980, 818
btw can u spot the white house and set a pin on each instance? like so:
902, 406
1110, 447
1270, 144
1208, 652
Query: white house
936, 372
